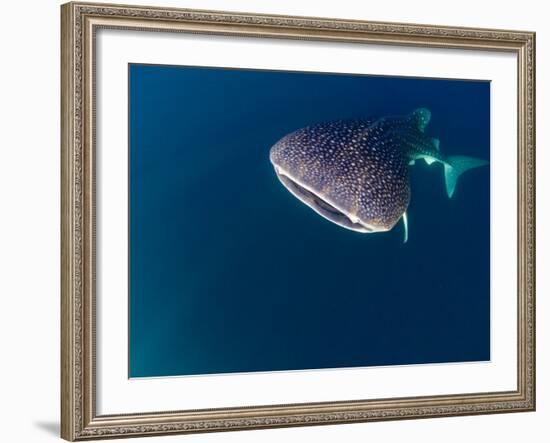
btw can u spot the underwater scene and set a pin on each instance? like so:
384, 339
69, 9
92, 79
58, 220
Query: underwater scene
300, 220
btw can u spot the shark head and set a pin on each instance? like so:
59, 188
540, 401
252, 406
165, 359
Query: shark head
326, 167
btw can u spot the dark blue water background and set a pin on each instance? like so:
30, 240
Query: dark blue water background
231, 273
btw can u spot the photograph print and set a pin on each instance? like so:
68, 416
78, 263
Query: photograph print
291, 221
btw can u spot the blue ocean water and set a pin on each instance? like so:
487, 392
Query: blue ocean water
231, 273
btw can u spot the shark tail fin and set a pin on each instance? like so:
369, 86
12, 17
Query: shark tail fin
455, 166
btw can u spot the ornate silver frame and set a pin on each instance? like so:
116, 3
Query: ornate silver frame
80, 21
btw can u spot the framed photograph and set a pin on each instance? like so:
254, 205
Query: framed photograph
282, 221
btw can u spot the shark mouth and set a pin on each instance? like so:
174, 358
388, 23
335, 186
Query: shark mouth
323, 207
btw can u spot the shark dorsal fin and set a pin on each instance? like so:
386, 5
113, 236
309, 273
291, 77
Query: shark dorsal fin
421, 117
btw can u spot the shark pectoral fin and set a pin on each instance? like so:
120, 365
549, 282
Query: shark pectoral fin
429, 160
405, 227
455, 166
435, 143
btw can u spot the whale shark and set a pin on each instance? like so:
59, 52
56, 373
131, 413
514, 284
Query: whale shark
355, 173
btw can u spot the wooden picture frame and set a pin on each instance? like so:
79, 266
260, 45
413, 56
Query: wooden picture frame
80, 22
